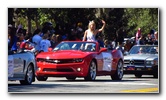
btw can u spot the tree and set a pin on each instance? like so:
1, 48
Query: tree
27, 13
117, 19
145, 18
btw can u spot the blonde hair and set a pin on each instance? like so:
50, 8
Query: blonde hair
91, 23
53, 36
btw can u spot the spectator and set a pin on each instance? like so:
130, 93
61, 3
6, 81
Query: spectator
9, 36
19, 29
91, 32
120, 36
12, 39
21, 42
58, 38
36, 40
48, 26
120, 47
47, 32
138, 34
152, 31
79, 31
53, 41
127, 46
148, 39
156, 38
72, 36
107, 44
45, 43
140, 41
114, 43
100, 41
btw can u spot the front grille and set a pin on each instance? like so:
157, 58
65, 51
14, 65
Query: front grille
57, 70
134, 62
127, 62
55, 61
139, 62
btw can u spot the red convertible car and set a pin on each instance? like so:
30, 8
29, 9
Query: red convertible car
72, 59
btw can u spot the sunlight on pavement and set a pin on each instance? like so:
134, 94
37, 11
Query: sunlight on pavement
142, 90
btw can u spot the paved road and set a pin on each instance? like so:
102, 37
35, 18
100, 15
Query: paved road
103, 84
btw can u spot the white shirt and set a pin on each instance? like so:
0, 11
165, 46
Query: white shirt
36, 41
90, 36
44, 45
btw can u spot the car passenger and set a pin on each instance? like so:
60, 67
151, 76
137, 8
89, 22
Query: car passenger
91, 32
141, 50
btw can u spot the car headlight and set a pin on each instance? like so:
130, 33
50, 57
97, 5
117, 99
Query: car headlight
156, 62
77, 60
153, 62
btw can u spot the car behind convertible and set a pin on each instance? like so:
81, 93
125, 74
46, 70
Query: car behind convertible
142, 60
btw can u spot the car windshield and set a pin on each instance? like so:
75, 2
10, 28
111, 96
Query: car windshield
144, 50
84, 46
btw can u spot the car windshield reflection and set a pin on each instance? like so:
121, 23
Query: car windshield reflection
83, 46
144, 50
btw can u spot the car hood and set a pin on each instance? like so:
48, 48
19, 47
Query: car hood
63, 54
141, 56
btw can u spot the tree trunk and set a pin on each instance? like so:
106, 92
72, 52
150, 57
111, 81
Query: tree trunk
36, 22
10, 15
29, 24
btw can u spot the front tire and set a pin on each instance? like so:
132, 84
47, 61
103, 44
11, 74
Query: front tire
40, 78
71, 78
29, 76
138, 75
92, 71
119, 71
155, 75
155, 71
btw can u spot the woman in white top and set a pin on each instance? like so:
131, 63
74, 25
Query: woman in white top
91, 32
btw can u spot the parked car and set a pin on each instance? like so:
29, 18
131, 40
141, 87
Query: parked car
142, 60
22, 67
72, 59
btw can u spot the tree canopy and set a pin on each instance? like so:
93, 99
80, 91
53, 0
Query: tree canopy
127, 19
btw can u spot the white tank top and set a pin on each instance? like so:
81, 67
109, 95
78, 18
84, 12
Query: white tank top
90, 36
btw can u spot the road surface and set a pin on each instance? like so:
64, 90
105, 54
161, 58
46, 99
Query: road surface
103, 84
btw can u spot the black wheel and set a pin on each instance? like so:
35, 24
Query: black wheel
138, 75
155, 75
40, 78
92, 71
71, 78
119, 71
29, 76
155, 71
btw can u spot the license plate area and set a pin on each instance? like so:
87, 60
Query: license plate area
130, 67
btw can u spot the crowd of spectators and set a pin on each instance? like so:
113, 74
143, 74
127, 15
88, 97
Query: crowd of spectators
42, 39
49, 37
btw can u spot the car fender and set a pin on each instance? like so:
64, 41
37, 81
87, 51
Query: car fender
117, 55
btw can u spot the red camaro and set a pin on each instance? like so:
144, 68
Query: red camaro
73, 59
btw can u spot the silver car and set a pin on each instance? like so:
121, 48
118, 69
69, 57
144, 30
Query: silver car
22, 67
142, 60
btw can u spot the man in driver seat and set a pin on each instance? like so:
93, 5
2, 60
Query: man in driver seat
141, 50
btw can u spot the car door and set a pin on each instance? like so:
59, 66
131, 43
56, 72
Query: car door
104, 61
19, 64
10, 65
99, 59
